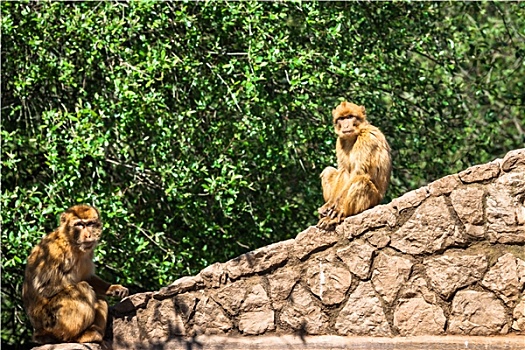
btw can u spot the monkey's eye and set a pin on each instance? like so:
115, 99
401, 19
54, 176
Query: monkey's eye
78, 224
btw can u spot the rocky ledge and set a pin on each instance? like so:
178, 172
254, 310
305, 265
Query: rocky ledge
444, 264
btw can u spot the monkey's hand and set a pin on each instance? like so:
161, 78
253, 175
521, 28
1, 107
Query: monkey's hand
330, 215
331, 209
327, 209
323, 211
116, 290
327, 223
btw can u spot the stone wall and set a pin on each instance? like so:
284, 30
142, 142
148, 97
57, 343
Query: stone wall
446, 259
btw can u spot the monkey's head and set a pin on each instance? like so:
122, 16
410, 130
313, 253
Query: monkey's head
82, 225
348, 117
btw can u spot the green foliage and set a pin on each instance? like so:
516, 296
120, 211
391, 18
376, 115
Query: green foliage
199, 129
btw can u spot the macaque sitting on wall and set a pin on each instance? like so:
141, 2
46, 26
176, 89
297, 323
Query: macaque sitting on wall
63, 297
363, 167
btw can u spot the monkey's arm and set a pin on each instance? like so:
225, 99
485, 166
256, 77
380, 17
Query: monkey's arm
99, 285
363, 154
102, 287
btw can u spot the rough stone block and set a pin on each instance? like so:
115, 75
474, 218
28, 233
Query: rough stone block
182, 285
256, 299
379, 238
518, 316
415, 316
480, 173
328, 280
513, 159
243, 296
127, 331
363, 314
313, 239
231, 296
161, 321
450, 272
445, 185
389, 275
468, 204
185, 303
431, 228
376, 217
506, 278
358, 257
281, 284
259, 260
411, 199
302, 313
506, 209
417, 286
214, 275
210, 318
257, 322
131, 303
477, 313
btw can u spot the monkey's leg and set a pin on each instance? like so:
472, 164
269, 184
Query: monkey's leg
95, 332
327, 182
359, 194
42, 317
42, 337
73, 310
332, 180
362, 195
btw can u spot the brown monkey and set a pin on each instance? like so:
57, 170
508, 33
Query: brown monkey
63, 297
363, 166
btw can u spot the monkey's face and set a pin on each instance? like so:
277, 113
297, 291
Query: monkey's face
86, 233
347, 127
348, 118
83, 226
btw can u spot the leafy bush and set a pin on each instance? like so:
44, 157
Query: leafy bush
200, 129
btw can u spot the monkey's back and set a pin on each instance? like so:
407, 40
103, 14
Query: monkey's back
49, 269
370, 154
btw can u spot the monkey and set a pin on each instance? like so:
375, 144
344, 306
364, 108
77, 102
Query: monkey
363, 169
61, 293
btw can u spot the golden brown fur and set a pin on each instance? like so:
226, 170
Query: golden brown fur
61, 293
363, 167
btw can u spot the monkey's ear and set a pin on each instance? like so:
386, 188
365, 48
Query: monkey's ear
363, 110
63, 218
98, 213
